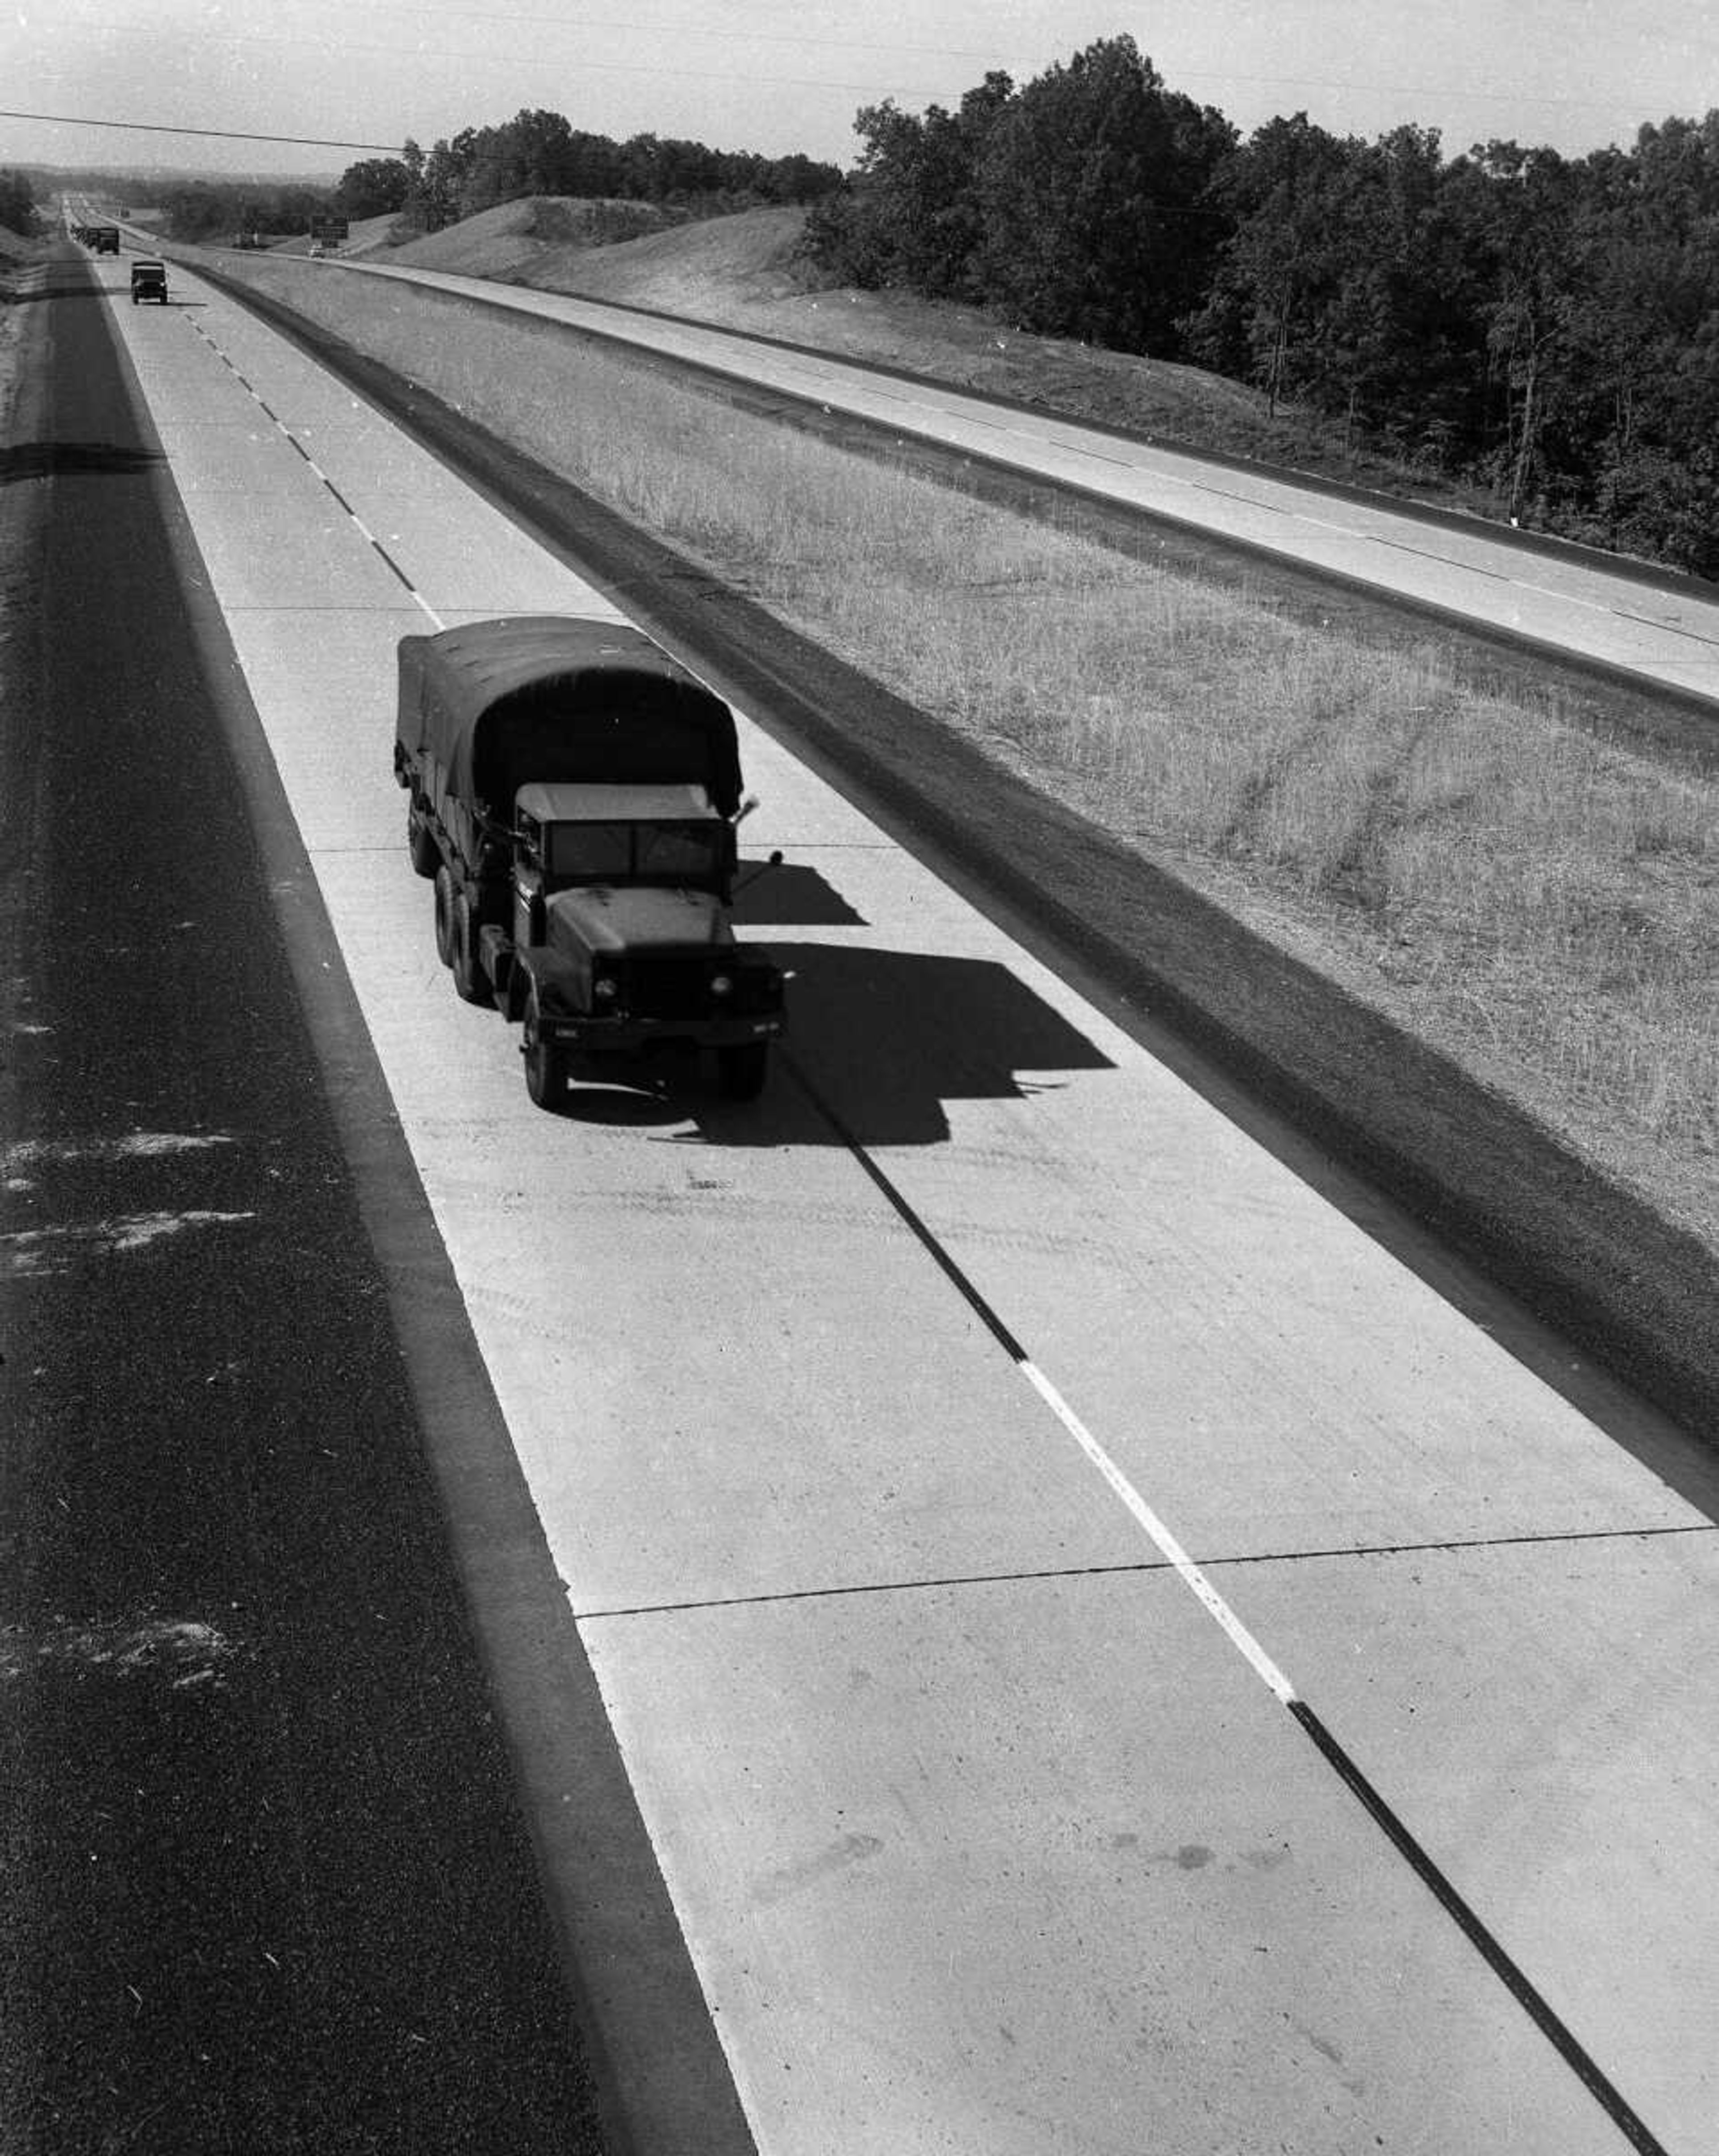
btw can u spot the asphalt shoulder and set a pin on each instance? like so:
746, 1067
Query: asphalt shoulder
271, 1881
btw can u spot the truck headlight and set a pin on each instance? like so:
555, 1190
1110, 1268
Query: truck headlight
721, 984
603, 989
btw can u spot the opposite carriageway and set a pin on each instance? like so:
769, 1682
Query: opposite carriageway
1642, 624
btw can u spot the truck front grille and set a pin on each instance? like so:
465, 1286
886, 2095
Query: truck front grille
680, 987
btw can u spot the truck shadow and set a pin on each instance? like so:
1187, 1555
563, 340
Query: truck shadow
881, 1041
789, 896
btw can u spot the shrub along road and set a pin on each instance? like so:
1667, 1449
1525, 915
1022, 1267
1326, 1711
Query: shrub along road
269, 1884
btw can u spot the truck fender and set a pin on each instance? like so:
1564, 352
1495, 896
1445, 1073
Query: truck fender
556, 979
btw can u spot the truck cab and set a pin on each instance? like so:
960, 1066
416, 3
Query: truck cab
573, 838
621, 935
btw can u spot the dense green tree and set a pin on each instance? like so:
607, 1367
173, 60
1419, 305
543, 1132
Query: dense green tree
539, 153
217, 211
1094, 196
18, 204
1522, 220
911, 216
1283, 192
1347, 283
374, 187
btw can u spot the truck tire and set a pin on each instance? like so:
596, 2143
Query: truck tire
471, 983
445, 917
420, 847
546, 1065
740, 1070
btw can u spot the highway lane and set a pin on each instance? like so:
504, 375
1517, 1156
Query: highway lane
1563, 603
863, 1425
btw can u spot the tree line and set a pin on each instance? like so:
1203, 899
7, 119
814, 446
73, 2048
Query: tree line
1544, 327
223, 210
533, 153
18, 204
542, 153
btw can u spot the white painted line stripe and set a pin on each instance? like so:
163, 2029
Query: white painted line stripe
1191, 1577
281, 427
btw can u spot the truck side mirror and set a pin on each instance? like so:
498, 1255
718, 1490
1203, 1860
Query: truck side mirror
746, 809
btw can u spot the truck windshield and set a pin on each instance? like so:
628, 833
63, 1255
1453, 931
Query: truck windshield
646, 853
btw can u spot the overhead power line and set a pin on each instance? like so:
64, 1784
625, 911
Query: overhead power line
225, 134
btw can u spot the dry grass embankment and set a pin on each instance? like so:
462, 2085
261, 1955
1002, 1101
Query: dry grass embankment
1538, 903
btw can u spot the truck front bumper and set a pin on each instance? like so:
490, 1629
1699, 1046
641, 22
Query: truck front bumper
624, 1035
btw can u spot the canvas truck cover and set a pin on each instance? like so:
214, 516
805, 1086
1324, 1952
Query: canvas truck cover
496, 705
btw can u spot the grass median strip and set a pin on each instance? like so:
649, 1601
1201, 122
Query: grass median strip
1538, 902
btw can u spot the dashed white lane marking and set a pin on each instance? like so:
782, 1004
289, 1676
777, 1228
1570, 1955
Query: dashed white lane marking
1189, 1573
286, 432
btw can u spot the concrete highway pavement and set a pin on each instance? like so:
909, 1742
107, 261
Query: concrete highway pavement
899, 1439
1565, 602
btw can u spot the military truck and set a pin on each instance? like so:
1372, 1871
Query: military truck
104, 239
149, 280
574, 795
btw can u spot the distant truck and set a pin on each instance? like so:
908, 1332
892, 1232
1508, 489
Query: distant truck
149, 280
104, 238
574, 794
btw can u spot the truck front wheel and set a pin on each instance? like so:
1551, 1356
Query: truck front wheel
740, 1070
420, 847
546, 1065
470, 983
445, 917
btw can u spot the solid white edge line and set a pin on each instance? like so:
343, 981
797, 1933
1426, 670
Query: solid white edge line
1191, 1577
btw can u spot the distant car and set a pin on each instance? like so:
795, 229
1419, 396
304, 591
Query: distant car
149, 281
317, 250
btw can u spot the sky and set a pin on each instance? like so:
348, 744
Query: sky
357, 77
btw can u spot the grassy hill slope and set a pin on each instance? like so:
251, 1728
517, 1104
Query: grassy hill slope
746, 272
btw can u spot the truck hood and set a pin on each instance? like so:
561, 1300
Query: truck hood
623, 918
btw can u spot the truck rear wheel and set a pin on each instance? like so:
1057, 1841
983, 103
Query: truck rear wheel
740, 1070
546, 1065
445, 917
420, 847
470, 981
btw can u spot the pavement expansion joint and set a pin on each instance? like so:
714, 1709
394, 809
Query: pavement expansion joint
1455, 1542
929, 1583
934, 1582
1671, 628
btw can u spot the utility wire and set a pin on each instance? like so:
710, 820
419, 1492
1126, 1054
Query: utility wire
225, 134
